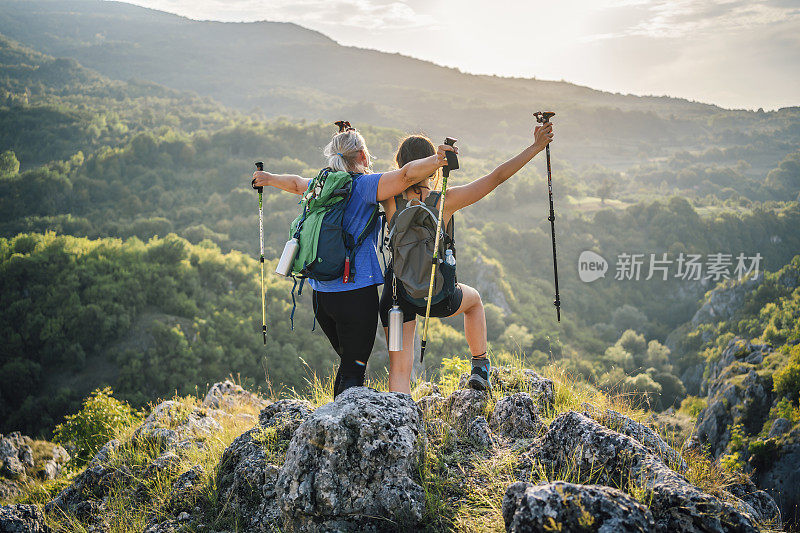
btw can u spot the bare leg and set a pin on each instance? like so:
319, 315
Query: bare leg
401, 363
474, 320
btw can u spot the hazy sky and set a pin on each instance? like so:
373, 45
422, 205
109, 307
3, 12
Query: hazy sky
735, 53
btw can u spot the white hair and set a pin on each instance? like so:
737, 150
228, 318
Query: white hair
343, 152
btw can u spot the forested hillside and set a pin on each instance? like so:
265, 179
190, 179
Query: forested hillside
277, 69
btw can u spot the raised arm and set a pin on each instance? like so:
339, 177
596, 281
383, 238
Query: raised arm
464, 195
395, 182
286, 182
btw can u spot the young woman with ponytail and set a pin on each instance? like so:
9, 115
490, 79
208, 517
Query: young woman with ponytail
348, 312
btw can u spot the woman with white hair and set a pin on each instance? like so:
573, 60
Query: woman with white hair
348, 312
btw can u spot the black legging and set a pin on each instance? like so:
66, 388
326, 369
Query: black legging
349, 319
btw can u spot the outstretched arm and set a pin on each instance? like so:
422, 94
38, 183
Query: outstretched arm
464, 195
395, 182
286, 182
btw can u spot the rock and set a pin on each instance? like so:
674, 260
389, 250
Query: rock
351, 465
86, 492
246, 476
165, 464
566, 507
22, 519
762, 505
463, 406
724, 300
509, 379
186, 490
431, 406
9, 489
13, 468
426, 388
479, 433
780, 478
60, 455
646, 436
25, 455
516, 417
168, 526
184, 516
779, 427
227, 394
171, 422
576, 443
733, 400
50, 470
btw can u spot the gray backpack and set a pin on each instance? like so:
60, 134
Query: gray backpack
412, 234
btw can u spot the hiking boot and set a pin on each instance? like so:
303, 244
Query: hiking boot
479, 379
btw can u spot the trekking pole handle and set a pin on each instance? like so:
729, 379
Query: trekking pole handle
259, 167
452, 157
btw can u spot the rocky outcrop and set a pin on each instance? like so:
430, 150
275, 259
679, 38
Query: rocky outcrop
575, 443
351, 465
18, 464
722, 302
643, 434
733, 399
564, 506
516, 417
227, 394
22, 519
780, 477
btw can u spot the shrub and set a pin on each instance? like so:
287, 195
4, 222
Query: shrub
787, 379
100, 418
692, 405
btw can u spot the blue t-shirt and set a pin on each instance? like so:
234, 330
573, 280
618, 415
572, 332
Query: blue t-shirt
363, 200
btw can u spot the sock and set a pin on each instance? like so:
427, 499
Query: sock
480, 361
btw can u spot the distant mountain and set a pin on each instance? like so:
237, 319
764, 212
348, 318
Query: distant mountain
281, 69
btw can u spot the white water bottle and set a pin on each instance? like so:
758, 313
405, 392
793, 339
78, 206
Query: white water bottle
284, 267
395, 329
449, 258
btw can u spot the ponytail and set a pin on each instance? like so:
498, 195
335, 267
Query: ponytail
343, 152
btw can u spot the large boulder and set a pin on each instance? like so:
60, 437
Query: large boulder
352, 465
22, 519
563, 506
578, 444
516, 416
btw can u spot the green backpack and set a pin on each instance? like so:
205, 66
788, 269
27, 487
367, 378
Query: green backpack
412, 233
326, 249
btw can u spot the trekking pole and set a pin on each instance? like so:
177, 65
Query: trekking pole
260, 166
452, 164
543, 117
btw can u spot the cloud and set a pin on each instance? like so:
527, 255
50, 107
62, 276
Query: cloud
681, 18
362, 15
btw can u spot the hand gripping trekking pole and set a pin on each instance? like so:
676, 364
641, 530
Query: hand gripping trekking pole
543, 117
452, 164
260, 166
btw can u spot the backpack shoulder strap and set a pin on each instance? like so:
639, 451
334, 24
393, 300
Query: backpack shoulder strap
432, 199
399, 202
